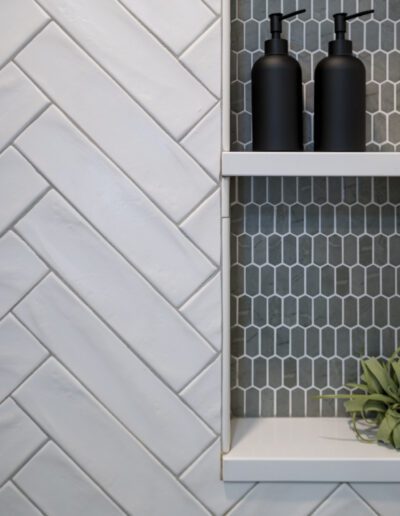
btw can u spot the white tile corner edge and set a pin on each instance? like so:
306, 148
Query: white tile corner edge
226, 400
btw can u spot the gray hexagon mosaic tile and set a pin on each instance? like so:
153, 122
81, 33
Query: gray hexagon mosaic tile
376, 41
315, 287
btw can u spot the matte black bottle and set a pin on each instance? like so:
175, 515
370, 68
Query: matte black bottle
340, 95
277, 99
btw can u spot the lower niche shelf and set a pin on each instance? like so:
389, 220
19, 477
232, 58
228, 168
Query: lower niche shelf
305, 450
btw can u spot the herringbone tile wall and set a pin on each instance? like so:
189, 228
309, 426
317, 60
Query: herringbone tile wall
109, 268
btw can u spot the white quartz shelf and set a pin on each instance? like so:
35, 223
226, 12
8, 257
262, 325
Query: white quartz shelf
305, 450
311, 164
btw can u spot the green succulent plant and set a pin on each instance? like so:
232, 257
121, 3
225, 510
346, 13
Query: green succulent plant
378, 404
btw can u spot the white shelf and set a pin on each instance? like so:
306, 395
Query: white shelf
305, 450
311, 164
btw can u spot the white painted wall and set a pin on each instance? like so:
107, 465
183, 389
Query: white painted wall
110, 305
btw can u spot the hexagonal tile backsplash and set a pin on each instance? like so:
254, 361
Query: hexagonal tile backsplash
376, 41
315, 286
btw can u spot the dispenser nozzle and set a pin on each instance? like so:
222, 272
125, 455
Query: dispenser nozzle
277, 18
341, 20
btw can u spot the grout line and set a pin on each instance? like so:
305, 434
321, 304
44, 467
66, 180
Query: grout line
31, 373
161, 42
26, 42
362, 498
25, 495
44, 276
193, 380
110, 75
194, 126
193, 43
37, 115
25, 211
29, 457
241, 499
116, 420
76, 463
211, 8
116, 334
111, 160
197, 459
325, 498
193, 210
116, 250
197, 291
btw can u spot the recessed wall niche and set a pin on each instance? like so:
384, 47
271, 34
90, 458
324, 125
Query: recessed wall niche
315, 285
315, 261
376, 42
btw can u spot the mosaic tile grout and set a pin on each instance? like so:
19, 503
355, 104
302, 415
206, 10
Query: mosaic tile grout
318, 302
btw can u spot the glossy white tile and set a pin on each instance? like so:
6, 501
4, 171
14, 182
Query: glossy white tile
19, 438
176, 22
13, 502
203, 61
203, 310
59, 487
101, 446
19, 21
123, 215
20, 354
204, 226
204, 142
115, 290
92, 352
344, 501
154, 77
20, 269
204, 395
115, 122
20, 103
20, 186
283, 498
203, 478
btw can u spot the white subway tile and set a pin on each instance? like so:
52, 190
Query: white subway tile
204, 395
283, 498
214, 4
20, 353
59, 487
20, 269
384, 498
20, 102
154, 77
19, 438
20, 186
116, 123
344, 501
203, 310
114, 374
203, 61
203, 478
204, 227
204, 142
124, 215
176, 22
19, 21
101, 446
14, 503
115, 290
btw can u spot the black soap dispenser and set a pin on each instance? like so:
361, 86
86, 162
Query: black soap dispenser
340, 95
277, 99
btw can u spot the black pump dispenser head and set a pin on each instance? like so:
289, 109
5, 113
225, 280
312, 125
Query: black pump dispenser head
277, 45
341, 45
